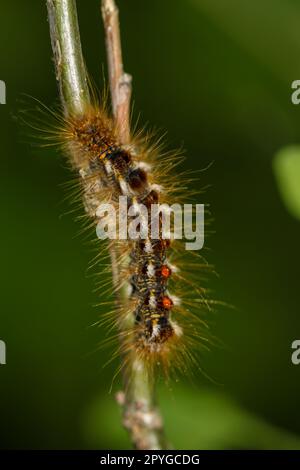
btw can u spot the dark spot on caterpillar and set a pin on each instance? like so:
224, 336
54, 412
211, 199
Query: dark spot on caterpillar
166, 242
120, 159
161, 244
163, 321
142, 244
137, 178
138, 318
149, 327
144, 269
166, 332
151, 198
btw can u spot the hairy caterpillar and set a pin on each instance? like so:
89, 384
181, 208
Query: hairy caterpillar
156, 322
108, 170
155, 319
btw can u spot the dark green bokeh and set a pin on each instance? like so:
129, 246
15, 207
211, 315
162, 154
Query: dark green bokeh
217, 76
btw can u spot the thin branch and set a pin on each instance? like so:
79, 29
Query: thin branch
141, 415
120, 82
69, 64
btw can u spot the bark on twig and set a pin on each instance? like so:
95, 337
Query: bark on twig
119, 81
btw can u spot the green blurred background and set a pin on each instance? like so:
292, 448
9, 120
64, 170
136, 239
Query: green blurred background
217, 75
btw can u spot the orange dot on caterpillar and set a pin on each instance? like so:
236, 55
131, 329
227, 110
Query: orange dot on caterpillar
167, 302
165, 271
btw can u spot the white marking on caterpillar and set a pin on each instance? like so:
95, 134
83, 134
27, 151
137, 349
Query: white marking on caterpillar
152, 301
108, 167
176, 300
148, 246
155, 331
156, 187
143, 166
150, 270
176, 328
173, 268
123, 187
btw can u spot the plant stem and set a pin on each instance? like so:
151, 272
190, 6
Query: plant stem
141, 416
69, 64
120, 82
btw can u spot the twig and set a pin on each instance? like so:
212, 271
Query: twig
141, 415
69, 64
120, 82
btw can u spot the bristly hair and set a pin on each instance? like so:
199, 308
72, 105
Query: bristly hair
153, 325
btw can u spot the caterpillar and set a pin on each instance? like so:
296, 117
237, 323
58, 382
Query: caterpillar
162, 330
